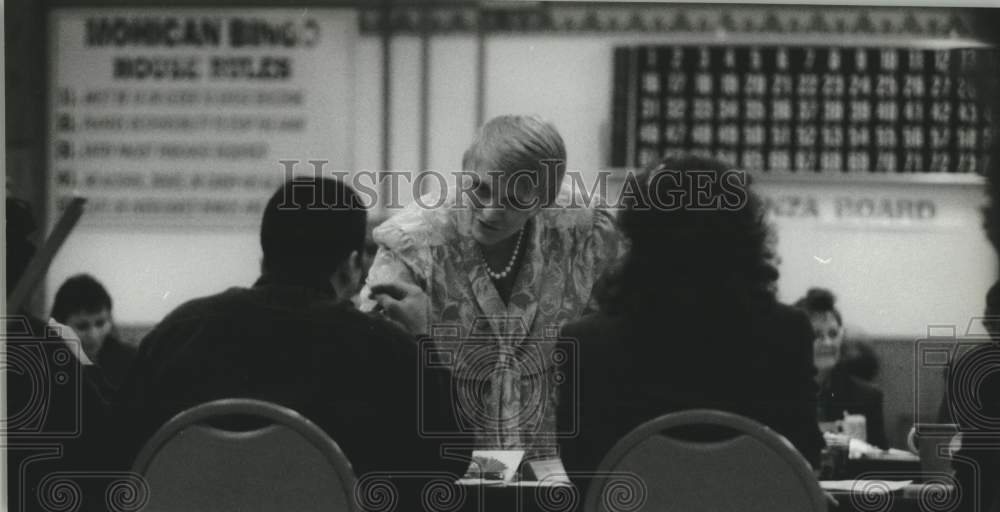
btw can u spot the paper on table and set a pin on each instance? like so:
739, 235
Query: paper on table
491, 466
549, 470
865, 486
893, 454
479, 482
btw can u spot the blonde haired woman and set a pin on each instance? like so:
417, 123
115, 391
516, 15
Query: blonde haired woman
507, 259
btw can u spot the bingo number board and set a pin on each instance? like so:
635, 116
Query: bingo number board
804, 108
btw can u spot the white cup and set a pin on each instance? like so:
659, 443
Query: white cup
856, 426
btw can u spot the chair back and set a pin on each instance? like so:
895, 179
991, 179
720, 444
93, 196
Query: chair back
744, 466
284, 462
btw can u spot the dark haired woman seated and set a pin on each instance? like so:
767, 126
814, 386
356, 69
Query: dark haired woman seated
690, 320
841, 391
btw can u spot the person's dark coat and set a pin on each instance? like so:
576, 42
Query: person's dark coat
630, 372
353, 375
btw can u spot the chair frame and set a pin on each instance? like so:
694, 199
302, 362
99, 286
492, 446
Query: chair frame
277, 414
741, 424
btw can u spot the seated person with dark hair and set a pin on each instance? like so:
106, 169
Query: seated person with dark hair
689, 321
840, 392
295, 339
84, 305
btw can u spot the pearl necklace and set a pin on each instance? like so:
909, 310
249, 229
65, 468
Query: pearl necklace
510, 263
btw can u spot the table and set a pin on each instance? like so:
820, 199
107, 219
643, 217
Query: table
871, 496
889, 468
528, 496
865, 496
866, 491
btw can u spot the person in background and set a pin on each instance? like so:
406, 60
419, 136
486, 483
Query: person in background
295, 339
840, 392
502, 263
84, 305
689, 321
44, 414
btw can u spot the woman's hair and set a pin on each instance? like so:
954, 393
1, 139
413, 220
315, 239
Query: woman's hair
699, 242
818, 301
520, 143
80, 294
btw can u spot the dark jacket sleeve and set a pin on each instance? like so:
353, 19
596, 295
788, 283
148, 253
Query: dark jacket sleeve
136, 411
585, 397
126, 406
566, 418
429, 426
115, 360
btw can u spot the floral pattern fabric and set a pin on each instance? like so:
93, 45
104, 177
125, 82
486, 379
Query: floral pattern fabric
503, 356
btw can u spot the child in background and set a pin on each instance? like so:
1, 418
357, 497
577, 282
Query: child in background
84, 305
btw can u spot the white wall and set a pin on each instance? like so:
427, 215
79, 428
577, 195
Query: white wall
405, 111
452, 100
566, 79
368, 104
892, 277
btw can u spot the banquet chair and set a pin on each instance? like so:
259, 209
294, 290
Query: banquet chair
746, 467
283, 462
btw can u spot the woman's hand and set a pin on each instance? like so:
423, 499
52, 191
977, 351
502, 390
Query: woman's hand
403, 303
